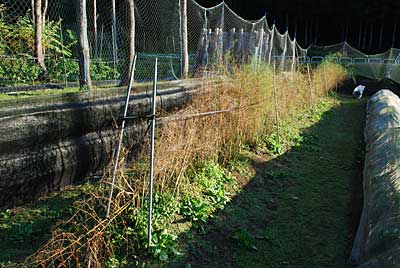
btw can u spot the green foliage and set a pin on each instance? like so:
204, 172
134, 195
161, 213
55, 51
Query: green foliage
274, 145
19, 70
195, 209
245, 239
213, 187
130, 231
163, 245
16, 46
99, 70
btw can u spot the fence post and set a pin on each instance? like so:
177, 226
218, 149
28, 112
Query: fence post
276, 105
241, 45
260, 45
325, 78
222, 27
272, 44
152, 138
294, 55
114, 30
184, 39
311, 85
85, 81
283, 62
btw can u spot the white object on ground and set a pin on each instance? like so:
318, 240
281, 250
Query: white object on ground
358, 91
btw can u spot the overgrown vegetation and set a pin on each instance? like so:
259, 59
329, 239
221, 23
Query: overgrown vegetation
196, 159
17, 38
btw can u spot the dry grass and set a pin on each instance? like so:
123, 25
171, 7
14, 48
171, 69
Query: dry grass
88, 240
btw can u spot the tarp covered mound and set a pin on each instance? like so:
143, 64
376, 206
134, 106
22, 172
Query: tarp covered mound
377, 244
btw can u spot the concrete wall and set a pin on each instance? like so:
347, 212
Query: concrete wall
47, 142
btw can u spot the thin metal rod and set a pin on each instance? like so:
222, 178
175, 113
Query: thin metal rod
278, 131
325, 78
153, 128
311, 85
121, 136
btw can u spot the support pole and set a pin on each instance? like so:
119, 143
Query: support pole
222, 27
153, 128
283, 62
184, 39
114, 31
294, 55
260, 45
121, 136
325, 78
278, 131
311, 85
272, 44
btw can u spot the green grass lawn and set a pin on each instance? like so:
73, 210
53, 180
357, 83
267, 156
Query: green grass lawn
299, 209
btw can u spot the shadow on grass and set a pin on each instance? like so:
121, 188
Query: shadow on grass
23, 230
300, 209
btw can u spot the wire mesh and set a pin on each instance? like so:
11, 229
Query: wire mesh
217, 37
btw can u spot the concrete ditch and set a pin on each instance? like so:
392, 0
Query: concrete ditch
47, 142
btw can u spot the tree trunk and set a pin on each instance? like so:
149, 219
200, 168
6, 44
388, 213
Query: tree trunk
360, 36
306, 34
381, 34
38, 42
371, 39
394, 35
316, 34
84, 62
184, 34
131, 43
44, 13
364, 45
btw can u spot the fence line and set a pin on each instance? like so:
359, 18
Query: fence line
186, 37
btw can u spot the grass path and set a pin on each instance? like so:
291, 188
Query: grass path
298, 210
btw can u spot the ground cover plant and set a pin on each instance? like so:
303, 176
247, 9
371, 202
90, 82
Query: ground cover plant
199, 169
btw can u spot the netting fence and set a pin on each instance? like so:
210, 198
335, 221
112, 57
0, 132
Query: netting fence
215, 36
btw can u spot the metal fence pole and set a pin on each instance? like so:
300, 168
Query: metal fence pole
276, 105
121, 136
311, 85
153, 128
325, 78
